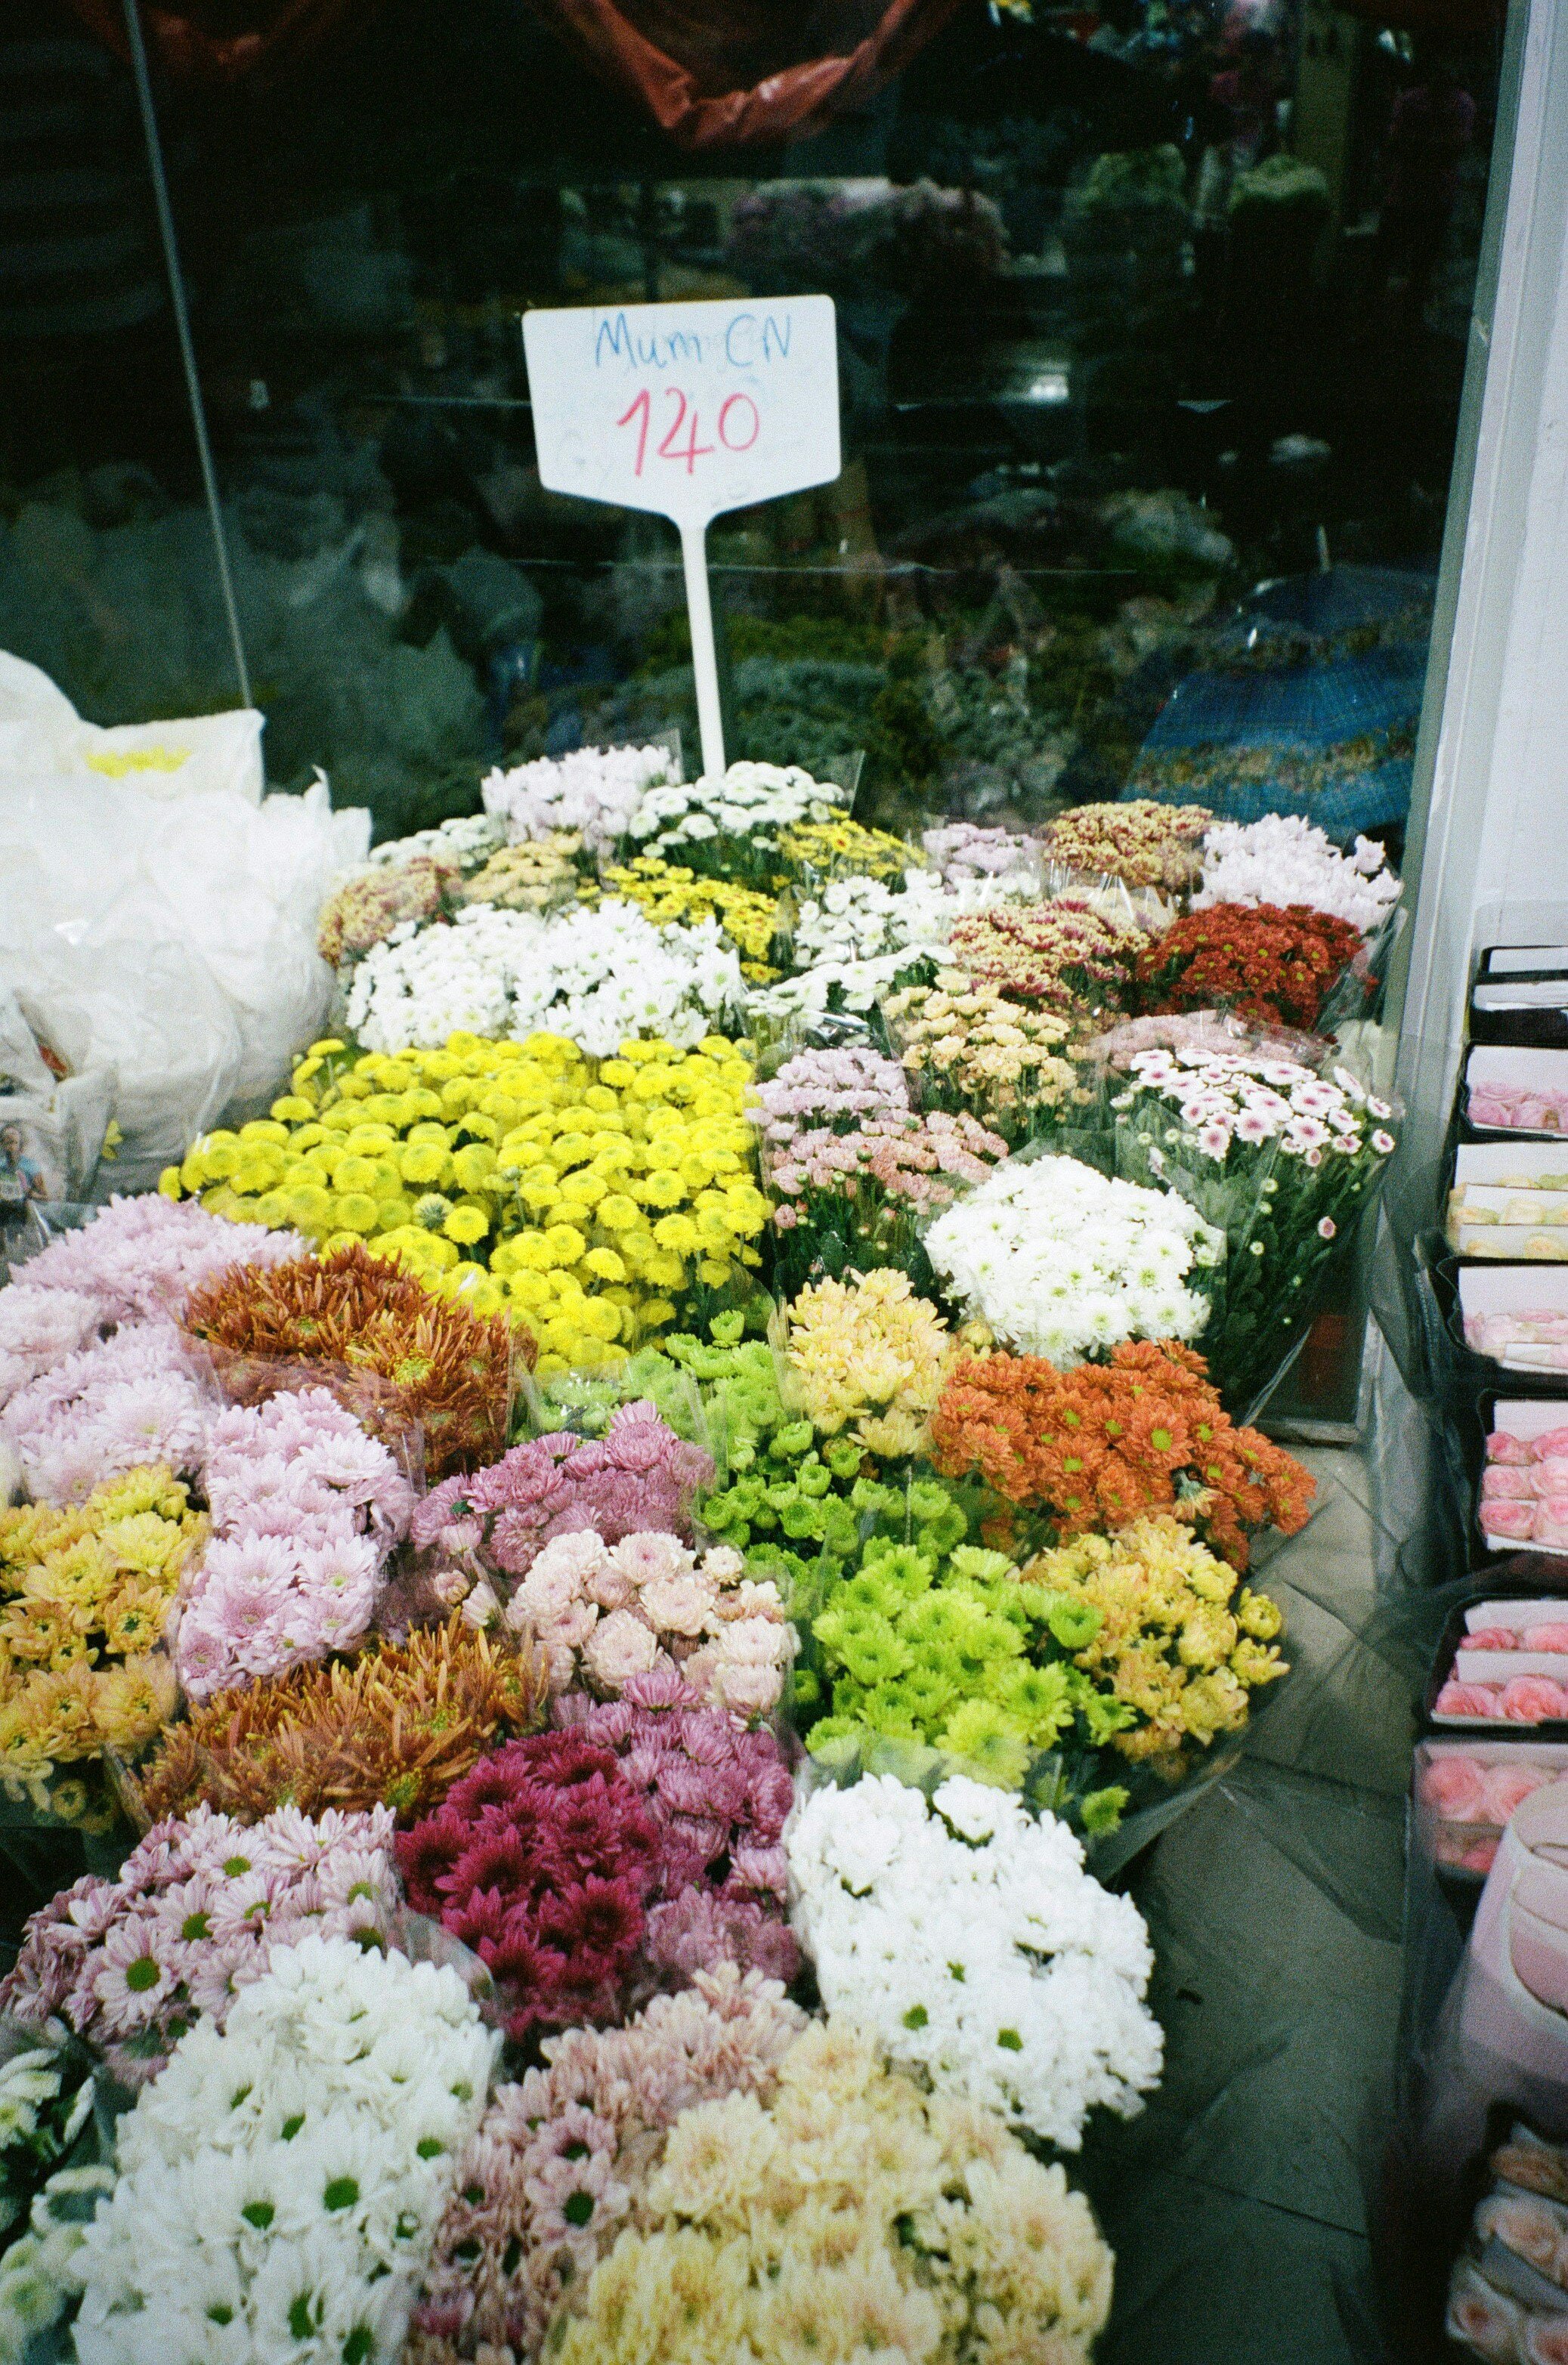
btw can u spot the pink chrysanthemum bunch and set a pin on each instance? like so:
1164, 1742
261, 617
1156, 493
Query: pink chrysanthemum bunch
638, 1475
605, 1614
720, 1796
544, 1860
195, 1916
144, 1256
550, 2178
829, 1091
304, 1509
120, 1403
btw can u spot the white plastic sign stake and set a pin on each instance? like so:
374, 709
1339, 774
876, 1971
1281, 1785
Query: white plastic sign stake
689, 410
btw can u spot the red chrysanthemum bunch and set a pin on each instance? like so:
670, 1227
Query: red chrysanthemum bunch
632, 1848
1266, 963
1101, 1445
543, 1860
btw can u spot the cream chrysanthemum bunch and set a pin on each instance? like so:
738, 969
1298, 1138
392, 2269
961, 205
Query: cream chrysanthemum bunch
590, 1196
1176, 1641
868, 1356
852, 2216
964, 1046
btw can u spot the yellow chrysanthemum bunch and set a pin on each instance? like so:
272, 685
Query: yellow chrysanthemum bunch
669, 893
590, 1196
870, 1356
84, 1596
1176, 1641
833, 848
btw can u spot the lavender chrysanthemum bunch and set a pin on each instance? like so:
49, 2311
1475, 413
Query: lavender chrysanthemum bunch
719, 1795
145, 1256
198, 1910
594, 789
834, 1090
966, 849
39, 1327
606, 1615
119, 1404
550, 2179
138, 1260
304, 1508
638, 1475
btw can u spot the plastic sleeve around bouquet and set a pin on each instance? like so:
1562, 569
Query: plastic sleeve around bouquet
1085, 1788
379, 1404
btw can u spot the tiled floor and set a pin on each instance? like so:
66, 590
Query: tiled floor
1236, 2203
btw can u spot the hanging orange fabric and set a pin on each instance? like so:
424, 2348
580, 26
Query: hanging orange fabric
223, 41
712, 73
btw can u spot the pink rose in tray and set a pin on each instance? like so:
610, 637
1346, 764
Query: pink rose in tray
1490, 1106
1503, 1787
1502, 1484
1504, 1448
1552, 1522
1550, 1474
1533, 1699
1468, 1699
1551, 1446
1546, 2339
1545, 1638
1514, 1520
1492, 1638
1454, 1787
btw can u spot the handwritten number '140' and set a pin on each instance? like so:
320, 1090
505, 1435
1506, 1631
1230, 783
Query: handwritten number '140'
739, 427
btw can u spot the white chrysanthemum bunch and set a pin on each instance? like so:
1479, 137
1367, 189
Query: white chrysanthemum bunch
279, 2186
856, 919
1063, 1263
595, 976
596, 790
854, 941
467, 839
1284, 858
968, 1939
746, 800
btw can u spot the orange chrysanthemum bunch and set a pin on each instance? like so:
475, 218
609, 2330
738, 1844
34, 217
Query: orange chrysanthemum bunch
1102, 1445
448, 1368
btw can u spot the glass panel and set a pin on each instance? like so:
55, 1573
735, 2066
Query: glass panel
108, 576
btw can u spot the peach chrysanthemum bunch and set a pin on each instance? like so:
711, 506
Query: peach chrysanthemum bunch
966, 1047
851, 2216
603, 1613
868, 1356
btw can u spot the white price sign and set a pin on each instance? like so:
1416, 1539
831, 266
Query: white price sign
689, 409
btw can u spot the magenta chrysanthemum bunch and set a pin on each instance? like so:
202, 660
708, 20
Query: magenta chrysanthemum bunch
543, 1859
195, 1916
545, 2185
638, 1475
120, 1403
720, 1796
144, 1256
304, 1509
606, 1614
833, 1091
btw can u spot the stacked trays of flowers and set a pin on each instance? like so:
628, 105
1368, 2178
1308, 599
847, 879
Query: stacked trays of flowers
602, 1584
